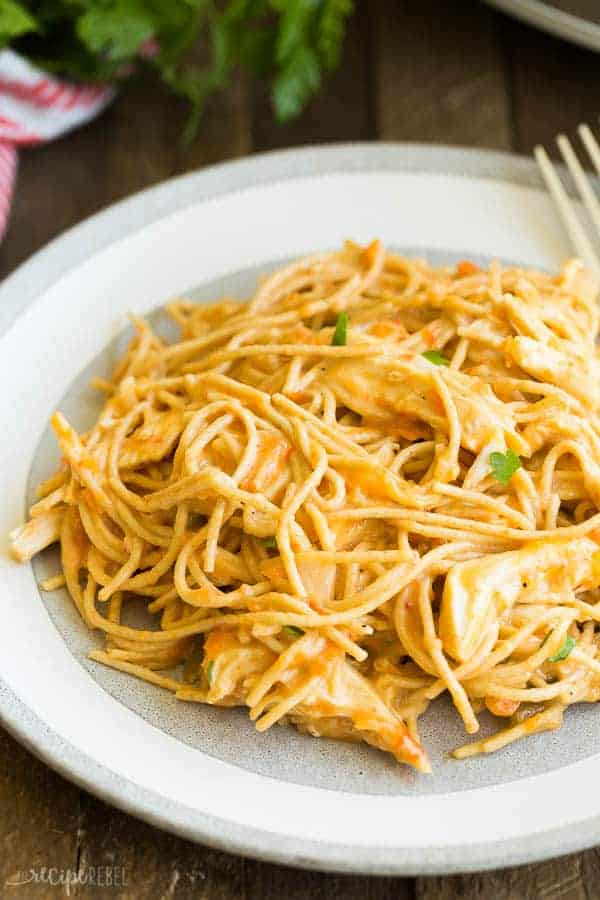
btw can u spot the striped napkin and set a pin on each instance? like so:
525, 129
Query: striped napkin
35, 108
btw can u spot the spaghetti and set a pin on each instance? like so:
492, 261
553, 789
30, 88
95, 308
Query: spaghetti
373, 483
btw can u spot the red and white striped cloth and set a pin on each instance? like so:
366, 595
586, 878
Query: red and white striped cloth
34, 108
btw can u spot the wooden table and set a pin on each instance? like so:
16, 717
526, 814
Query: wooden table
426, 70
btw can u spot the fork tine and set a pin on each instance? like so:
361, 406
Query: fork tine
581, 180
566, 211
591, 145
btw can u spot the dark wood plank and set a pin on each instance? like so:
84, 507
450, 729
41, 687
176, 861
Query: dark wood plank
134, 144
39, 820
275, 882
555, 86
342, 112
440, 73
569, 878
151, 863
155, 864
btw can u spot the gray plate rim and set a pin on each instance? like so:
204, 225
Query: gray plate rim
123, 219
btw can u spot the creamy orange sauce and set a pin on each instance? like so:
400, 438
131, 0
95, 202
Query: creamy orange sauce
271, 457
218, 641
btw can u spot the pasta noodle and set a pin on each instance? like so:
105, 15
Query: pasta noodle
373, 483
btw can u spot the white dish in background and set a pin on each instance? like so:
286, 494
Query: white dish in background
575, 20
205, 773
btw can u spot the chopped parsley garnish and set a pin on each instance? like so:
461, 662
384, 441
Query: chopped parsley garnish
293, 630
566, 650
270, 542
340, 335
436, 357
504, 465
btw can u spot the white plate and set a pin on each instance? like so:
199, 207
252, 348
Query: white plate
204, 773
575, 20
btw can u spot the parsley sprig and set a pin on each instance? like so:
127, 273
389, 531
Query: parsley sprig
340, 334
436, 357
289, 43
504, 465
567, 647
566, 650
293, 631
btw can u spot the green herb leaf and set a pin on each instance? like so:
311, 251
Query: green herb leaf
293, 630
331, 30
504, 465
436, 357
566, 649
210, 672
545, 638
288, 43
257, 49
340, 335
270, 542
296, 18
118, 29
296, 83
14, 21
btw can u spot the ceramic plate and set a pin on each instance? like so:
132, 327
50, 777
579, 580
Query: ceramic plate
205, 773
575, 20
